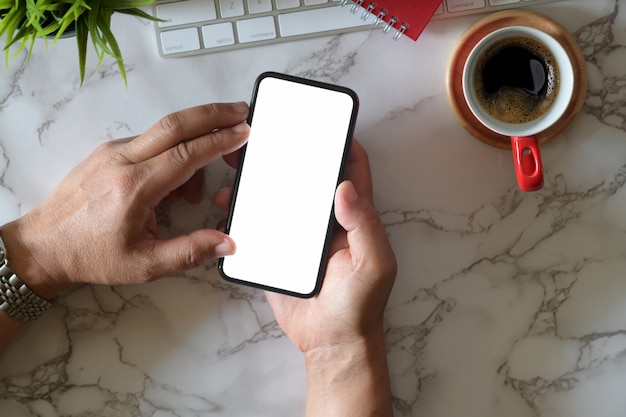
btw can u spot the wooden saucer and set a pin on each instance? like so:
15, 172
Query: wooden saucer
495, 21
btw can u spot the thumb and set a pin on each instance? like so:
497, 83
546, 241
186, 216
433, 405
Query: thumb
189, 251
366, 234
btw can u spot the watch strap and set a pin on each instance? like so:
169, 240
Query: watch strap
16, 299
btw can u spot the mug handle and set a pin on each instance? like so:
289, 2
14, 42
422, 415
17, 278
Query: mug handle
527, 159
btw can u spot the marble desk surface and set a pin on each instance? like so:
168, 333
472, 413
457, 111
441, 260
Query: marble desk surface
505, 304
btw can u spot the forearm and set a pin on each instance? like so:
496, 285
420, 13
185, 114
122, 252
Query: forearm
350, 380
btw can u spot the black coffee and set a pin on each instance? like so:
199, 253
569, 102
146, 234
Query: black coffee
516, 80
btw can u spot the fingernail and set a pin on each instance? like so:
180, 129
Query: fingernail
241, 107
226, 248
241, 128
351, 191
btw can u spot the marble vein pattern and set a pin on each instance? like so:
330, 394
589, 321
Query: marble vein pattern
505, 303
540, 308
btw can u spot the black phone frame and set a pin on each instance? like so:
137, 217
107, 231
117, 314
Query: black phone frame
344, 163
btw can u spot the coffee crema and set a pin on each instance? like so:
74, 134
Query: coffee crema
516, 79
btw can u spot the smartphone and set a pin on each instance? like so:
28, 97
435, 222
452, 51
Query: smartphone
281, 214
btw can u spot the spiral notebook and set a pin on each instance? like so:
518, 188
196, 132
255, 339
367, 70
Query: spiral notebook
406, 17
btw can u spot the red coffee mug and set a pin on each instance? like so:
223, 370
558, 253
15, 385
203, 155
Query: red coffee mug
526, 154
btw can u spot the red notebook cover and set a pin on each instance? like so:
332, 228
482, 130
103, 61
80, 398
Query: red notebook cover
408, 17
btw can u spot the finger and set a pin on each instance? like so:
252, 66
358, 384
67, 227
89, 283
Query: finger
365, 232
221, 225
182, 126
232, 159
358, 171
192, 189
338, 241
173, 196
222, 197
190, 251
174, 167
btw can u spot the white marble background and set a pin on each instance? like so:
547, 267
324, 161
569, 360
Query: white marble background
506, 304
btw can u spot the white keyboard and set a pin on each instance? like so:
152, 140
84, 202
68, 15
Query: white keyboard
203, 26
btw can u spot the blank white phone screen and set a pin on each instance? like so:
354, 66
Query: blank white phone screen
287, 183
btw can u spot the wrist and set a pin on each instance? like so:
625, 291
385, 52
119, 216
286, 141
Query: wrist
23, 256
349, 379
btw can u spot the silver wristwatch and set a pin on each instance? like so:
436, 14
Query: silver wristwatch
16, 299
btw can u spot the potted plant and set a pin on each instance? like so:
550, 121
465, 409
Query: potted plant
23, 21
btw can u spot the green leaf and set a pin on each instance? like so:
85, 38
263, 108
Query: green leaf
75, 11
140, 13
10, 23
104, 26
70, 17
99, 44
19, 36
82, 35
6, 4
125, 4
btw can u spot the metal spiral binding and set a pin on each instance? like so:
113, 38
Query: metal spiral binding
356, 5
390, 24
367, 12
378, 18
400, 32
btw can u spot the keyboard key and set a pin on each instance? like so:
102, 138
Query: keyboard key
314, 2
259, 6
287, 4
179, 40
502, 2
183, 12
464, 5
219, 34
231, 8
318, 20
254, 30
